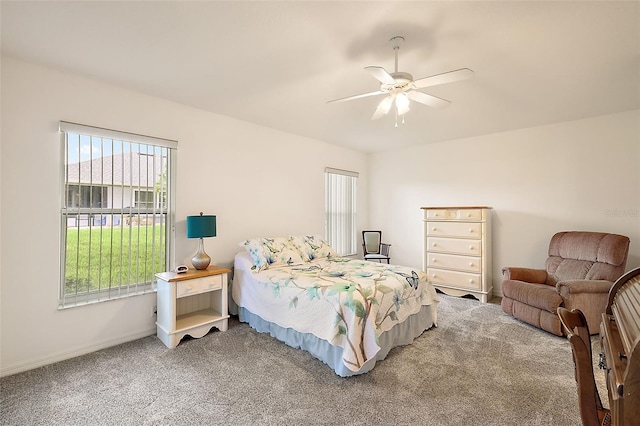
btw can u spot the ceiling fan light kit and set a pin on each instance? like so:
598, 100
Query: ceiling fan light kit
401, 88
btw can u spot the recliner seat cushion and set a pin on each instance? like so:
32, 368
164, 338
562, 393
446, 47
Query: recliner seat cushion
541, 296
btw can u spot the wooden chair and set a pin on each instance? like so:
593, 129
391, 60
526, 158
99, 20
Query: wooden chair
373, 247
592, 412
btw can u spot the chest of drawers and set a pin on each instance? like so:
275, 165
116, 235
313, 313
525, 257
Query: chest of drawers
457, 250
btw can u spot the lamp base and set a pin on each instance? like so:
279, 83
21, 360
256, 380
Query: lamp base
201, 260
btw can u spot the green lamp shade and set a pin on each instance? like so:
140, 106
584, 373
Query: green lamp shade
201, 226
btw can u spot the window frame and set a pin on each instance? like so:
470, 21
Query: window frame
120, 290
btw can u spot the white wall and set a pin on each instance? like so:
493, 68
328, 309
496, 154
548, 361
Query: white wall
258, 181
579, 175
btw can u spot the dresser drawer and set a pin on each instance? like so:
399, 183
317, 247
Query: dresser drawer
451, 261
454, 214
198, 285
454, 245
455, 279
454, 229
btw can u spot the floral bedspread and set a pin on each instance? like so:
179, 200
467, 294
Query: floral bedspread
347, 302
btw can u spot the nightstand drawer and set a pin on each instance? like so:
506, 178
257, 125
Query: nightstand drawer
455, 229
454, 214
198, 285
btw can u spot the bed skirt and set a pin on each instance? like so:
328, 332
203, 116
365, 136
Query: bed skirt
401, 334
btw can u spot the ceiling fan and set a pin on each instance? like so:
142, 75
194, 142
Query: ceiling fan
401, 88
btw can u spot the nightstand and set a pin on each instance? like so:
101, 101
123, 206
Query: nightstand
191, 303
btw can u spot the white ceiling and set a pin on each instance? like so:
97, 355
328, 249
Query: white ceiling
278, 63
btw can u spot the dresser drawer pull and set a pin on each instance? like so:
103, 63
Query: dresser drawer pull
471, 230
434, 229
435, 245
471, 264
471, 280
434, 275
472, 248
434, 260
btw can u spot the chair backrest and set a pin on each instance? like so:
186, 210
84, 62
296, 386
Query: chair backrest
586, 256
371, 241
575, 326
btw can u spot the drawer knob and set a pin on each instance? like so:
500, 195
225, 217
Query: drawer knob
434, 228
434, 276
471, 248
471, 264
434, 260
434, 244
471, 280
471, 230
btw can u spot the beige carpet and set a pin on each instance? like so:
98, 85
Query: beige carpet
479, 367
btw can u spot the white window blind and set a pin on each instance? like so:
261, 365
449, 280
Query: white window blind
340, 210
116, 215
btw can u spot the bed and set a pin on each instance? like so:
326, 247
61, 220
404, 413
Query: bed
348, 313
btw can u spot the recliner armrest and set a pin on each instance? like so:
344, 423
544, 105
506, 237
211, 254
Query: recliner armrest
529, 275
583, 286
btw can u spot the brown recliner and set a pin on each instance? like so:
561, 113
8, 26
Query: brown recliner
580, 270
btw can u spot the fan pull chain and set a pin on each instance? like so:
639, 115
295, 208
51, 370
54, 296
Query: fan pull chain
397, 119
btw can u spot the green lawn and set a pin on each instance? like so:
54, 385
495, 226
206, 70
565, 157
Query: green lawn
111, 257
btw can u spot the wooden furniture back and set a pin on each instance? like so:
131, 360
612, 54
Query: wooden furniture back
619, 338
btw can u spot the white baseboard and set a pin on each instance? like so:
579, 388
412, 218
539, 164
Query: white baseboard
61, 356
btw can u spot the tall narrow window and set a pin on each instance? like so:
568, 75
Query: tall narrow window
116, 215
340, 210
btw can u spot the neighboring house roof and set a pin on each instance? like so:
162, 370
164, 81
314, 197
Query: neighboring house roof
127, 169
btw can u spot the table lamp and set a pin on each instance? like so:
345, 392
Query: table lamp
201, 227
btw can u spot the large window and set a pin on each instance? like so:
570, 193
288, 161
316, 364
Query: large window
340, 210
116, 215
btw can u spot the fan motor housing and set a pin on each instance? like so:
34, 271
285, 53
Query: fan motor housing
402, 80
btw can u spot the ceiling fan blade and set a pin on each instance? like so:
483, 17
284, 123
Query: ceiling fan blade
364, 95
430, 100
383, 107
443, 78
381, 75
